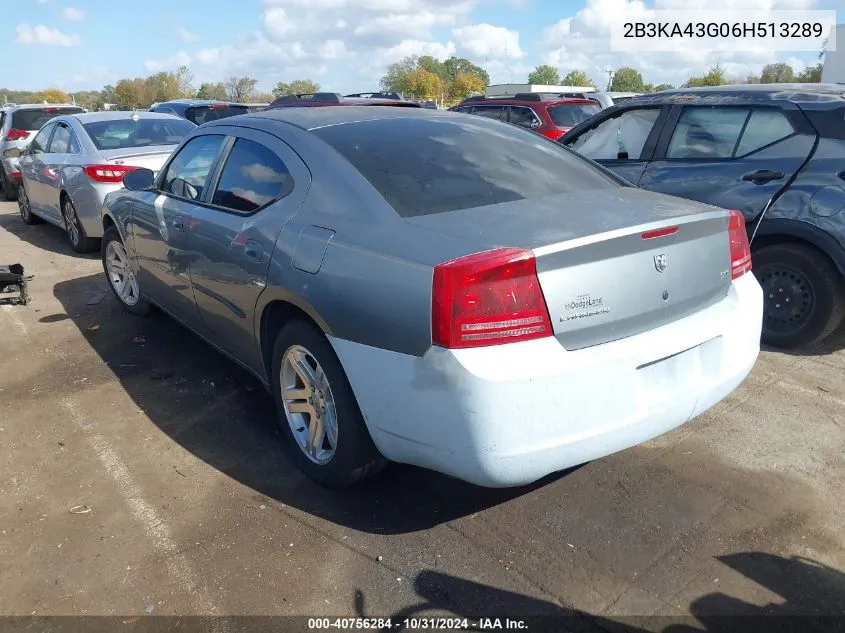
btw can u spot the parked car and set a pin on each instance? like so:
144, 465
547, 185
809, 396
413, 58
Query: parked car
621, 97
602, 99
18, 124
774, 152
76, 159
490, 305
324, 99
549, 115
201, 111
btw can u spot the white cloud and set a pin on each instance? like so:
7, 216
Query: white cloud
582, 41
171, 63
73, 14
187, 36
277, 22
41, 34
485, 40
333, 49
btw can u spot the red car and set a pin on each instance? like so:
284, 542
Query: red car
322, 99
548, 114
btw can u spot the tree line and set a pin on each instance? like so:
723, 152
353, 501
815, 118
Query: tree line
426, 77
142, 92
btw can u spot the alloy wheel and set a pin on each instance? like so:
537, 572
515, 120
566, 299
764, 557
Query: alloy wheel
120, 273
309, 405
72, 222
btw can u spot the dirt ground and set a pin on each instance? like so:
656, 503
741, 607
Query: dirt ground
142, 473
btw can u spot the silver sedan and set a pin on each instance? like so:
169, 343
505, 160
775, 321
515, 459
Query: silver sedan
75, 160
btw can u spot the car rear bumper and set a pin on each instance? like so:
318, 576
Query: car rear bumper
509, 415
88, 201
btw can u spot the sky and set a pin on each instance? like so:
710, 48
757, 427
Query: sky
345, 45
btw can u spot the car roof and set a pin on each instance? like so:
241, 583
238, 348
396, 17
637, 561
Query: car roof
38, 106
312, 118
200, 102
808, 95
516, 100
119, 115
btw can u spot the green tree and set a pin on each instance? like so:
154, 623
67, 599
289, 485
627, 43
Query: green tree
627, 79
661, 87
212, 92
127, 94
394, 78
715, 76
296, 87
422, 84
185, 78
577, 78
240, 88
453, 66
811, 74
163, 86
777, 74
544, 75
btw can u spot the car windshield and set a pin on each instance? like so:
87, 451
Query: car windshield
572, 115
450, 163
137, 132
31, 119
204, 114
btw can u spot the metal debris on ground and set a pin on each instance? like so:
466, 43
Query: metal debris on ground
81, 509
13, 282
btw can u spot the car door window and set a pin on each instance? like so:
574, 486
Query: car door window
523, 117
618, 138
491, 112
188, 172
60, 143
707, 132
766, 126
252, 177
39, 143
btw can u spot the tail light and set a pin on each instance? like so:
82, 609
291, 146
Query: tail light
107, 173
553, 134
740, 249
487, 299
218, 106
16, 175
16, 135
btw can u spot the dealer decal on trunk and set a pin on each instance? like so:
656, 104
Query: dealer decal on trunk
584, 305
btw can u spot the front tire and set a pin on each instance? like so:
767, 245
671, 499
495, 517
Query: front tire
26, 210
79, 240
9, 190
317, 409
120, 274
804, 295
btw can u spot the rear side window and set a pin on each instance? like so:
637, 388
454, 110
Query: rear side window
707, 132
523, 117
60, 143
127, 133
252, 177
35, 118
204, 114
572, 115
491, 112
459, 163
766, 126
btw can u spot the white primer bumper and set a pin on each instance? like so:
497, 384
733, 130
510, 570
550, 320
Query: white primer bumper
508, 415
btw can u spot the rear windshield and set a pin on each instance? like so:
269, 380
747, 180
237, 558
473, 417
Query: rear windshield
447, 163
126, 133
35, 118
572, 115
204, 114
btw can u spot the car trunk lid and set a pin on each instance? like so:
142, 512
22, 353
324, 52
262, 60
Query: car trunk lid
152, 157
611, 263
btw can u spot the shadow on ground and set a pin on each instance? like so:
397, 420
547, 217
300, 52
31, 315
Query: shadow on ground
45, 236
813, 599
224, 416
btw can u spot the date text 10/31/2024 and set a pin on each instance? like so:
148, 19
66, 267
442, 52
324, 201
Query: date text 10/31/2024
416, 624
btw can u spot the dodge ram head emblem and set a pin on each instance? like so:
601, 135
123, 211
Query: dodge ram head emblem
660, 262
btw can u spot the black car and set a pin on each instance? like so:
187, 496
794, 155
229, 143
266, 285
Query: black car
200, 111
775, 152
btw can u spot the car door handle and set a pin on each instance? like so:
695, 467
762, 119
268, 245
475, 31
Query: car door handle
763, 176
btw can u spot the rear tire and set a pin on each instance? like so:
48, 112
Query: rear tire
79, 240
803, 293
352, 456
112, 248
26, 210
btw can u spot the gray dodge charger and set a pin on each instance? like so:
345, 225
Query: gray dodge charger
438, 289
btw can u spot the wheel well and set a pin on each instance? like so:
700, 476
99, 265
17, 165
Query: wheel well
107, 222
62, 197
275, 315
763, 241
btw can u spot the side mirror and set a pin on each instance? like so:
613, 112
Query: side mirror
138, 179
13, 152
